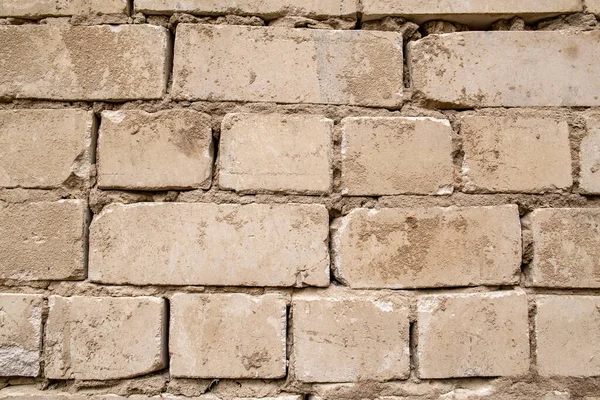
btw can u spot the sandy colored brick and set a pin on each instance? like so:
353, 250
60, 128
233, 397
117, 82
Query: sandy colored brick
64, 62
589, 156
593, 6
389, 156
169, 149
276, 153
44, 8
20, 334
104, 338
210, 244
566, 332
477, 334
43, 241
566, 247
345, 336
477, 13
515, 155
45, 148
463, 70
400, 248
268, 9
243, 63
228, 336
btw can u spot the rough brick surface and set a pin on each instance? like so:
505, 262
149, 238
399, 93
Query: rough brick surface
191, 244
566, 251
263, 8
66, 62
589, 178
277, 153
480, 334
169, 149
387, 156
43, 8
472, 12
104, 337
43, 241
513, 154
45, 148
20, 334
435, 247
593, 6
228, 336
566, 333
283, 65
463, 69
344, 336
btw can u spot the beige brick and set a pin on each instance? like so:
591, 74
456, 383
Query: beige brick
593, 6
243, 63
589, 178
44, 8
276, 153
477, 334
104, 338
210, 244
389, 156
20, 334
464, 70
406, 248
43, 241
344, 336
268, 9
45, 148
477, 13
65, 62
566, 332
228, 336
515, 155
169, 149
565, 248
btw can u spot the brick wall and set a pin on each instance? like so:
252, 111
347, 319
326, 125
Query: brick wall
300, 199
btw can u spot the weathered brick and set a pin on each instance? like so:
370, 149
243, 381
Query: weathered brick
388, 156
406, 248
268, 9
169, 149
277, 153
566, 251
464, 70
593, 6
105, 337
45, 8
566, 332
210, 244
243, 63
65, 62
344, 336
45, 148
589, 178
513, 154
20, 334
473, 12
477, 334
228, 336
43, 241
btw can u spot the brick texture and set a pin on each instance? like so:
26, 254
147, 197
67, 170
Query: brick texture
464, 70
187, 244
389, 156
45, 148
593, 6
83, 62
43, 8
238, 63
589, 178
276, 153
404, 248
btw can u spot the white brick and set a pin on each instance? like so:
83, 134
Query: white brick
243, 63
44, 8
276, 153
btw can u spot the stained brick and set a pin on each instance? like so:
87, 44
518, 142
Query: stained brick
44, 8
589, 178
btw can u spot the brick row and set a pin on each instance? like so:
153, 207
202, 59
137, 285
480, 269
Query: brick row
46, 8
337, 335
